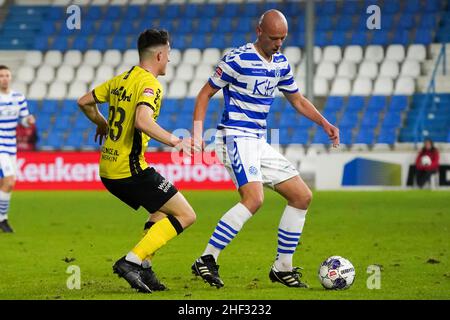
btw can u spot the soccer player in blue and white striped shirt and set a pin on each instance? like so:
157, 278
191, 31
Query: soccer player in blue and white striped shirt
13, 109
248, 77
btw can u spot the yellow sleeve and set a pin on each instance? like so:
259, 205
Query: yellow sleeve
101, 92
150, 94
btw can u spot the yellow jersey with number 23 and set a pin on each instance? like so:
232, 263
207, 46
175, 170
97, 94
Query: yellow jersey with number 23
122, 153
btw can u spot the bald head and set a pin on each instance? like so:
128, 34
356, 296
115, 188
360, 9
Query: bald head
272, 29
273, 21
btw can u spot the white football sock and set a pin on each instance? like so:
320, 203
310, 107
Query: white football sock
227, 228
289, 232
131, 257
5, 198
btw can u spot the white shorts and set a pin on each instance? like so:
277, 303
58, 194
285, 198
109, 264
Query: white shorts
250, 159
7, 165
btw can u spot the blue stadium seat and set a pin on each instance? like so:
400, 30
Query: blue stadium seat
69, 107
348, 120
358, 38
272, 121
106, 27
245, 25
88, 27
398, 103
127, 27
370, 120
49, 106
60, 43
334, 103
400, 36
433, 5
74, 141
32, 106
321, 39
345, 22
172, 11
352, 8
387, 135
80, 43
153, 11
328, 8
55, 140
377, 103
428, 21
94, 13
278, 104
82, 123
355, 103
330, 116
113, 13
379, 37
345, 135
339, 38
299, 136
423, 36
365, 136
204, 25
192, 10
47, 28
249, 9
288, 120
391, 6
41, 43
62, 123
100, 43
320, 137
210, 10
132, 12
323, 23
391, 120
55, 13
120, 43
231, 10
412, 6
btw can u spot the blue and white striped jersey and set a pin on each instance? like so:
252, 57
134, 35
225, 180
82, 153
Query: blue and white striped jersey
249, 82
13, 108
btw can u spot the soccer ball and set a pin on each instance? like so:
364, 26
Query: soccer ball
336, 273
426, 160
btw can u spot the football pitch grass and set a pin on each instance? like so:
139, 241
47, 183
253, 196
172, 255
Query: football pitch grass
405, 233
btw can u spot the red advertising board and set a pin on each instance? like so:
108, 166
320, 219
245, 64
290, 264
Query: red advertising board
79, 171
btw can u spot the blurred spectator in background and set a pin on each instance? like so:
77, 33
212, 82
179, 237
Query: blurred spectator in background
26, 138
427, 163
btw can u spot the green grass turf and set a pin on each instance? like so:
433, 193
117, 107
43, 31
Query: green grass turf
400, 231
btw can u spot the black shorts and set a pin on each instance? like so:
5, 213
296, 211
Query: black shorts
148, 189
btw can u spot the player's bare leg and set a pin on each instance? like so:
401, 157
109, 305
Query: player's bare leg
299, 196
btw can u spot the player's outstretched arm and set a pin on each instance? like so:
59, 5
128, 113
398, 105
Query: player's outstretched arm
306, 108
145, 123
201, 105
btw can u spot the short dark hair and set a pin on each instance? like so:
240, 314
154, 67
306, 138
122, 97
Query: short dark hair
3, 67
150, 38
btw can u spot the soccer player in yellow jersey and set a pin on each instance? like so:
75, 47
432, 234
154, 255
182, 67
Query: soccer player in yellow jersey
134, 99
